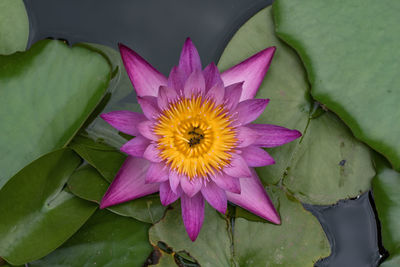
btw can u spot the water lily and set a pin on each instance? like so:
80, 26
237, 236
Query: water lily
195, 140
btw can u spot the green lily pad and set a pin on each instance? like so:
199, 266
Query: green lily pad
107, 160
14, 26
212, 246
350, 51
105, 240
386, 188
87, 183
327, 164
46, 95
298, 241
250, 243
122, 97
37, 216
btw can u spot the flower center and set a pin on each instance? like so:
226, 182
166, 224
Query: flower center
196, 136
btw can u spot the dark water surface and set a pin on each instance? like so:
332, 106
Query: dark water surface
156, 29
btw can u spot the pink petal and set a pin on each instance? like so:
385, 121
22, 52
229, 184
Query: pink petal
212, 77
227, 182
157, 173
237, 167
165, 96
190, 60
273, 135
167, 196
249, 110
192, 214
145, 78
136, 146
251, 71
149, 106
254, 198
232, 95
191, 187
174, 180
246, 136
216, 93
124, 121
129, 183
176, 80
151, 153
146, 129
215, 196
195, 84
256, 156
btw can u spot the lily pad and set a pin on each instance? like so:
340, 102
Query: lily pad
212, 246
248, 243
107, 160
298, 241
37, 215
14, 26
386, 188
350, 51
46, 95
327, 164
87, 183
106, 239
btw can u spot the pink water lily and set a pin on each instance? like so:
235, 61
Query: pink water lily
195, 140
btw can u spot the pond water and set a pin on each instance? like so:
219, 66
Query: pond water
156, 29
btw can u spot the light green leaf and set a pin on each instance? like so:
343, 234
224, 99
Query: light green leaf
351, 52
87, 183
46, 95
37, 216
105, 240
298, 241
212, 246
14, 26
310, 167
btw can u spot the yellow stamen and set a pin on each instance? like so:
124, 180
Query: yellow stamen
196, 136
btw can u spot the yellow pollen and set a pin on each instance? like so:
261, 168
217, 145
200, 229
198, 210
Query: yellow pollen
196, 136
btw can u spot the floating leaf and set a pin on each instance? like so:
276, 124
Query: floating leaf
386, 188
328, 163
14, 26
87, 183
105, 240
107, 160
252, 243
298, 241
212, 246
46, 95
37, 216
350, 51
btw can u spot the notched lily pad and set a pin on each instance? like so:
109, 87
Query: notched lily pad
46, 95
317, 168
351, 53
298, 241
37, 215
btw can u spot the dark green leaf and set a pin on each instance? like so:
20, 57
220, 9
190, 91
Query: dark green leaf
351, 52
14, 26
88, 184
46, 95
37, 216
105, 240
